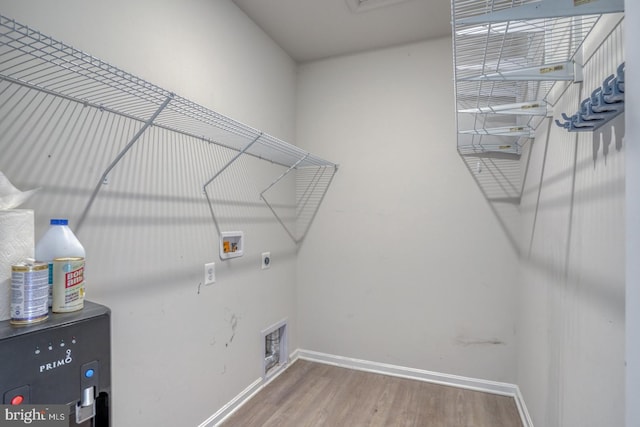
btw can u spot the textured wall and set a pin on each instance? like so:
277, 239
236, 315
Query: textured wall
571, 309
632, 14
406, 262
180, 350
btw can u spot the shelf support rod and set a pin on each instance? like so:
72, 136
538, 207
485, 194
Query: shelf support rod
285, 173
119, 157
324, 193
229, 163
558, 71
278, 179
524, 131
532, 108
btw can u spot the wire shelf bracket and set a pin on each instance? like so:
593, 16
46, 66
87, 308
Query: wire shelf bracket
306, 204
216, 175
534, 108
276, 181
524, 131
489, 150
119, 157
562, 71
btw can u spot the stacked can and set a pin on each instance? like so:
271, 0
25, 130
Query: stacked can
68, 284
29, 293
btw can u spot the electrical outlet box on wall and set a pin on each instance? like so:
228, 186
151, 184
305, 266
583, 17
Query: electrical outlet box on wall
231, 244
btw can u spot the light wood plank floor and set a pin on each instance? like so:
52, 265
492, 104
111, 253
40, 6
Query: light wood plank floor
315, 394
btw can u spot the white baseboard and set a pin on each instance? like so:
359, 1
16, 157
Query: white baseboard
504, 389
244, 396
522, 409
411, 373
234, 404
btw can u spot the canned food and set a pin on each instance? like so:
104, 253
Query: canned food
68, 284
29, 293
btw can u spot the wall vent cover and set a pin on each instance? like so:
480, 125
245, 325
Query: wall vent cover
276, 355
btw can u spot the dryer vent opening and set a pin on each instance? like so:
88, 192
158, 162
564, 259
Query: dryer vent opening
275, 355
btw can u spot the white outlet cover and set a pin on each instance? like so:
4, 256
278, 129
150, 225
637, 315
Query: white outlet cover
266, 260
210, 273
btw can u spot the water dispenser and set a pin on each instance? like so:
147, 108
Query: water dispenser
65, 360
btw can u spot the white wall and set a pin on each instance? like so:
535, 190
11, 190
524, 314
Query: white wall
571, 303
632, 15
180, 350
406, 262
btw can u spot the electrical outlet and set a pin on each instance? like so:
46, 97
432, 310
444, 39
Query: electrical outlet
210, 273
266, 260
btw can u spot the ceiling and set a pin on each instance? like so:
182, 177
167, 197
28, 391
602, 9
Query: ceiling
309, 30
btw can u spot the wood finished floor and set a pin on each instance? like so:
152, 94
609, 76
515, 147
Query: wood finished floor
315, 394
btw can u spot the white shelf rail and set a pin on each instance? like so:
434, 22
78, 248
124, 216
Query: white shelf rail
39, 62
510, 53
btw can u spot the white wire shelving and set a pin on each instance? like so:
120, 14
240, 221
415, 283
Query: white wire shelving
39, 62
507, 56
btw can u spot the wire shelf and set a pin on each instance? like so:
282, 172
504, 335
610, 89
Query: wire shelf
35, 60
510, 52
38, 62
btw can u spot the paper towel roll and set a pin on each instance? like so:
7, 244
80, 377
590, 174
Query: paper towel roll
17, 242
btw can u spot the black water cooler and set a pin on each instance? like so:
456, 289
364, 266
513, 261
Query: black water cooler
65, 360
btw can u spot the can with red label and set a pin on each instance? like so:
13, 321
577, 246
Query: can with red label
29, 293
68, 284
